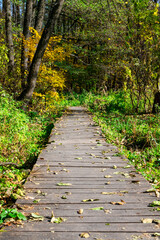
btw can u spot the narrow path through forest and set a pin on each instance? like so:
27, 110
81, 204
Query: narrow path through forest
81, 179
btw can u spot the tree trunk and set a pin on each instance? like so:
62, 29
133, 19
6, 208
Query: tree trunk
34, 68
9, 40
40, 15
156, 103
26, 34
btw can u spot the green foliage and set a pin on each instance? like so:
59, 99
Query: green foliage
11, 213
22, 136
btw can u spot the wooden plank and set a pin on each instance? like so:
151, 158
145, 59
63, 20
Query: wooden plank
46, 226
76, 236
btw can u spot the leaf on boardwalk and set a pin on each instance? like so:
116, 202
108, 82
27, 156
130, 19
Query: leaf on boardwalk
64, 184
64, 197
119, 203
56, 220
68, 193
156, 234
39, 192
157, 221
107, 176
154, 203
128, 166
84, 235
123, 174
35, 217
65, 170
135, 182
114, 167
107, 211
90, 200
80, 211
79, 158
36, 200
97, 208
146, 220
104, 169
109, 193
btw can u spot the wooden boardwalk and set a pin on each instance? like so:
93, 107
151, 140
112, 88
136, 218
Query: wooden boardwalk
77, 174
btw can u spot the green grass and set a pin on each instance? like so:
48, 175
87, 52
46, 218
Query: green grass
22, 136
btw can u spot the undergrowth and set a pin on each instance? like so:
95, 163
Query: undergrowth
23, 135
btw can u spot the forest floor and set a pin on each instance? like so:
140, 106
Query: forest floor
80, 188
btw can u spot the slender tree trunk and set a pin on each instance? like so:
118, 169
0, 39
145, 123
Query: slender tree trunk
18, 17
35, 65
26, 34
40, 15
9, 39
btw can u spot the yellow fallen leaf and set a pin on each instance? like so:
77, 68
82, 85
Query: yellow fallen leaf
146, 220
119, 203
109, 193
84, 235
80, 211
107, 176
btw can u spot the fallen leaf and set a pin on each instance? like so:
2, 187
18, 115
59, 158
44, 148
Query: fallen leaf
109, 193
35, 217
107, 183
57, 220
156, 234
157, 194
68, 193
146, 220
135, 182
80, 211
157, 221
64, 184
65, 170
97, 208
79, 158
119, 203
36, 200
154, 203
114, 167
126, 175
124, 191
107, 176
107, 211
64, 197
84, 235
90, 200
107, 224
128, 166
104, 169
151, 190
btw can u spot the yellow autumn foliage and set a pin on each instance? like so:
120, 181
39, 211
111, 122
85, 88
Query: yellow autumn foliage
51, 79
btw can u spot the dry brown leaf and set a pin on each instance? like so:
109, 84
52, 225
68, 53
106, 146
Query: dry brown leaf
84, 235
